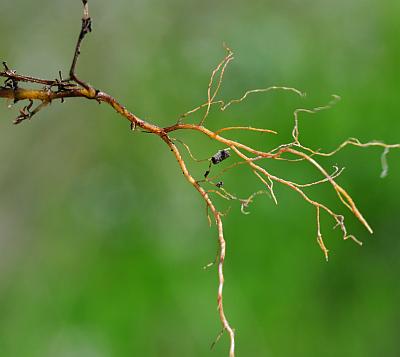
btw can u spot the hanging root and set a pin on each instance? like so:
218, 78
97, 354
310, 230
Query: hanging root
253, 158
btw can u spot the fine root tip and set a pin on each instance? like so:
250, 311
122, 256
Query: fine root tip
209, 265
354, 239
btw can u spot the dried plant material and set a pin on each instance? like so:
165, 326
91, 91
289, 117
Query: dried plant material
241, 154
220, 156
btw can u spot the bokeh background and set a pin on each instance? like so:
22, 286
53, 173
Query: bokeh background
102, 241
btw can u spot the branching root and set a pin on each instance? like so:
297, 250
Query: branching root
232, 154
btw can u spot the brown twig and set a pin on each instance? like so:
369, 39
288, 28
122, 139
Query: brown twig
86, 27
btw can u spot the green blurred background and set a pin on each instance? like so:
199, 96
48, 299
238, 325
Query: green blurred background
102, 241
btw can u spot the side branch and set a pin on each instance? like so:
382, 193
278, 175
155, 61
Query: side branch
86, 27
